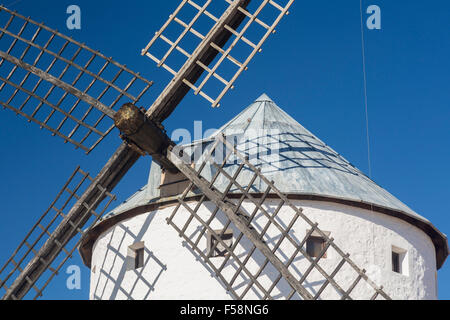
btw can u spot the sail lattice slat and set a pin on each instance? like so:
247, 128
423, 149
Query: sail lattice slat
60, 84
171, 47
44, 230
267, 257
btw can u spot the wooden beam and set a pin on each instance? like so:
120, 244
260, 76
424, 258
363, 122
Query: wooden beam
114, 170
60, 84
240, 223
144, 133
299, 211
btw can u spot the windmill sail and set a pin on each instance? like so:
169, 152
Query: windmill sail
45, 230
262, 235
36, 71
61, 84
244, 27
38, 258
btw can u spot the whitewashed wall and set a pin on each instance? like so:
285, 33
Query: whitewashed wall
173, 271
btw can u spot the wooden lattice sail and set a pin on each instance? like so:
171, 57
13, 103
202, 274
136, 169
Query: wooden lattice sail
212, 68
260, 225
74, 91
52, 235
61, 84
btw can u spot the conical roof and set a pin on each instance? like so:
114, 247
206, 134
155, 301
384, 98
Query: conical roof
295, 159
300, 165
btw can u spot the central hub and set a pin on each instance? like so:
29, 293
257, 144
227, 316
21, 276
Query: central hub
129, 119
144, 133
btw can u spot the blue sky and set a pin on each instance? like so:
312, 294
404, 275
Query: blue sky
311, 68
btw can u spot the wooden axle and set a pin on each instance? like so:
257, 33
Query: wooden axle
143, 133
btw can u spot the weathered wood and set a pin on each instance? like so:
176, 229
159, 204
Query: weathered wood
299, 211
335, 271
59, 83
146, 134
240, 223
204, 257
284, 233
221, 241
114, 170
169, 99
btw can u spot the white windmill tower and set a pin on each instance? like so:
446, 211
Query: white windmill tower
259, 240
133, 253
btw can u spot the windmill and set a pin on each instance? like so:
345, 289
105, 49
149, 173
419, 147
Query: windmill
43, 80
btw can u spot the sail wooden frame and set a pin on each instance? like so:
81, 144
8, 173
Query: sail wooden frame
254, 17
47, 230
194, 227
61, 84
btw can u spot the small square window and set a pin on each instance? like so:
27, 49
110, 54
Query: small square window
135, 256
315, 244
215, 248
399, 260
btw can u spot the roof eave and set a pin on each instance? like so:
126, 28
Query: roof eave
440, 240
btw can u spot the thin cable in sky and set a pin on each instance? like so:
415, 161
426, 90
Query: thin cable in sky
13, 3
365, 88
